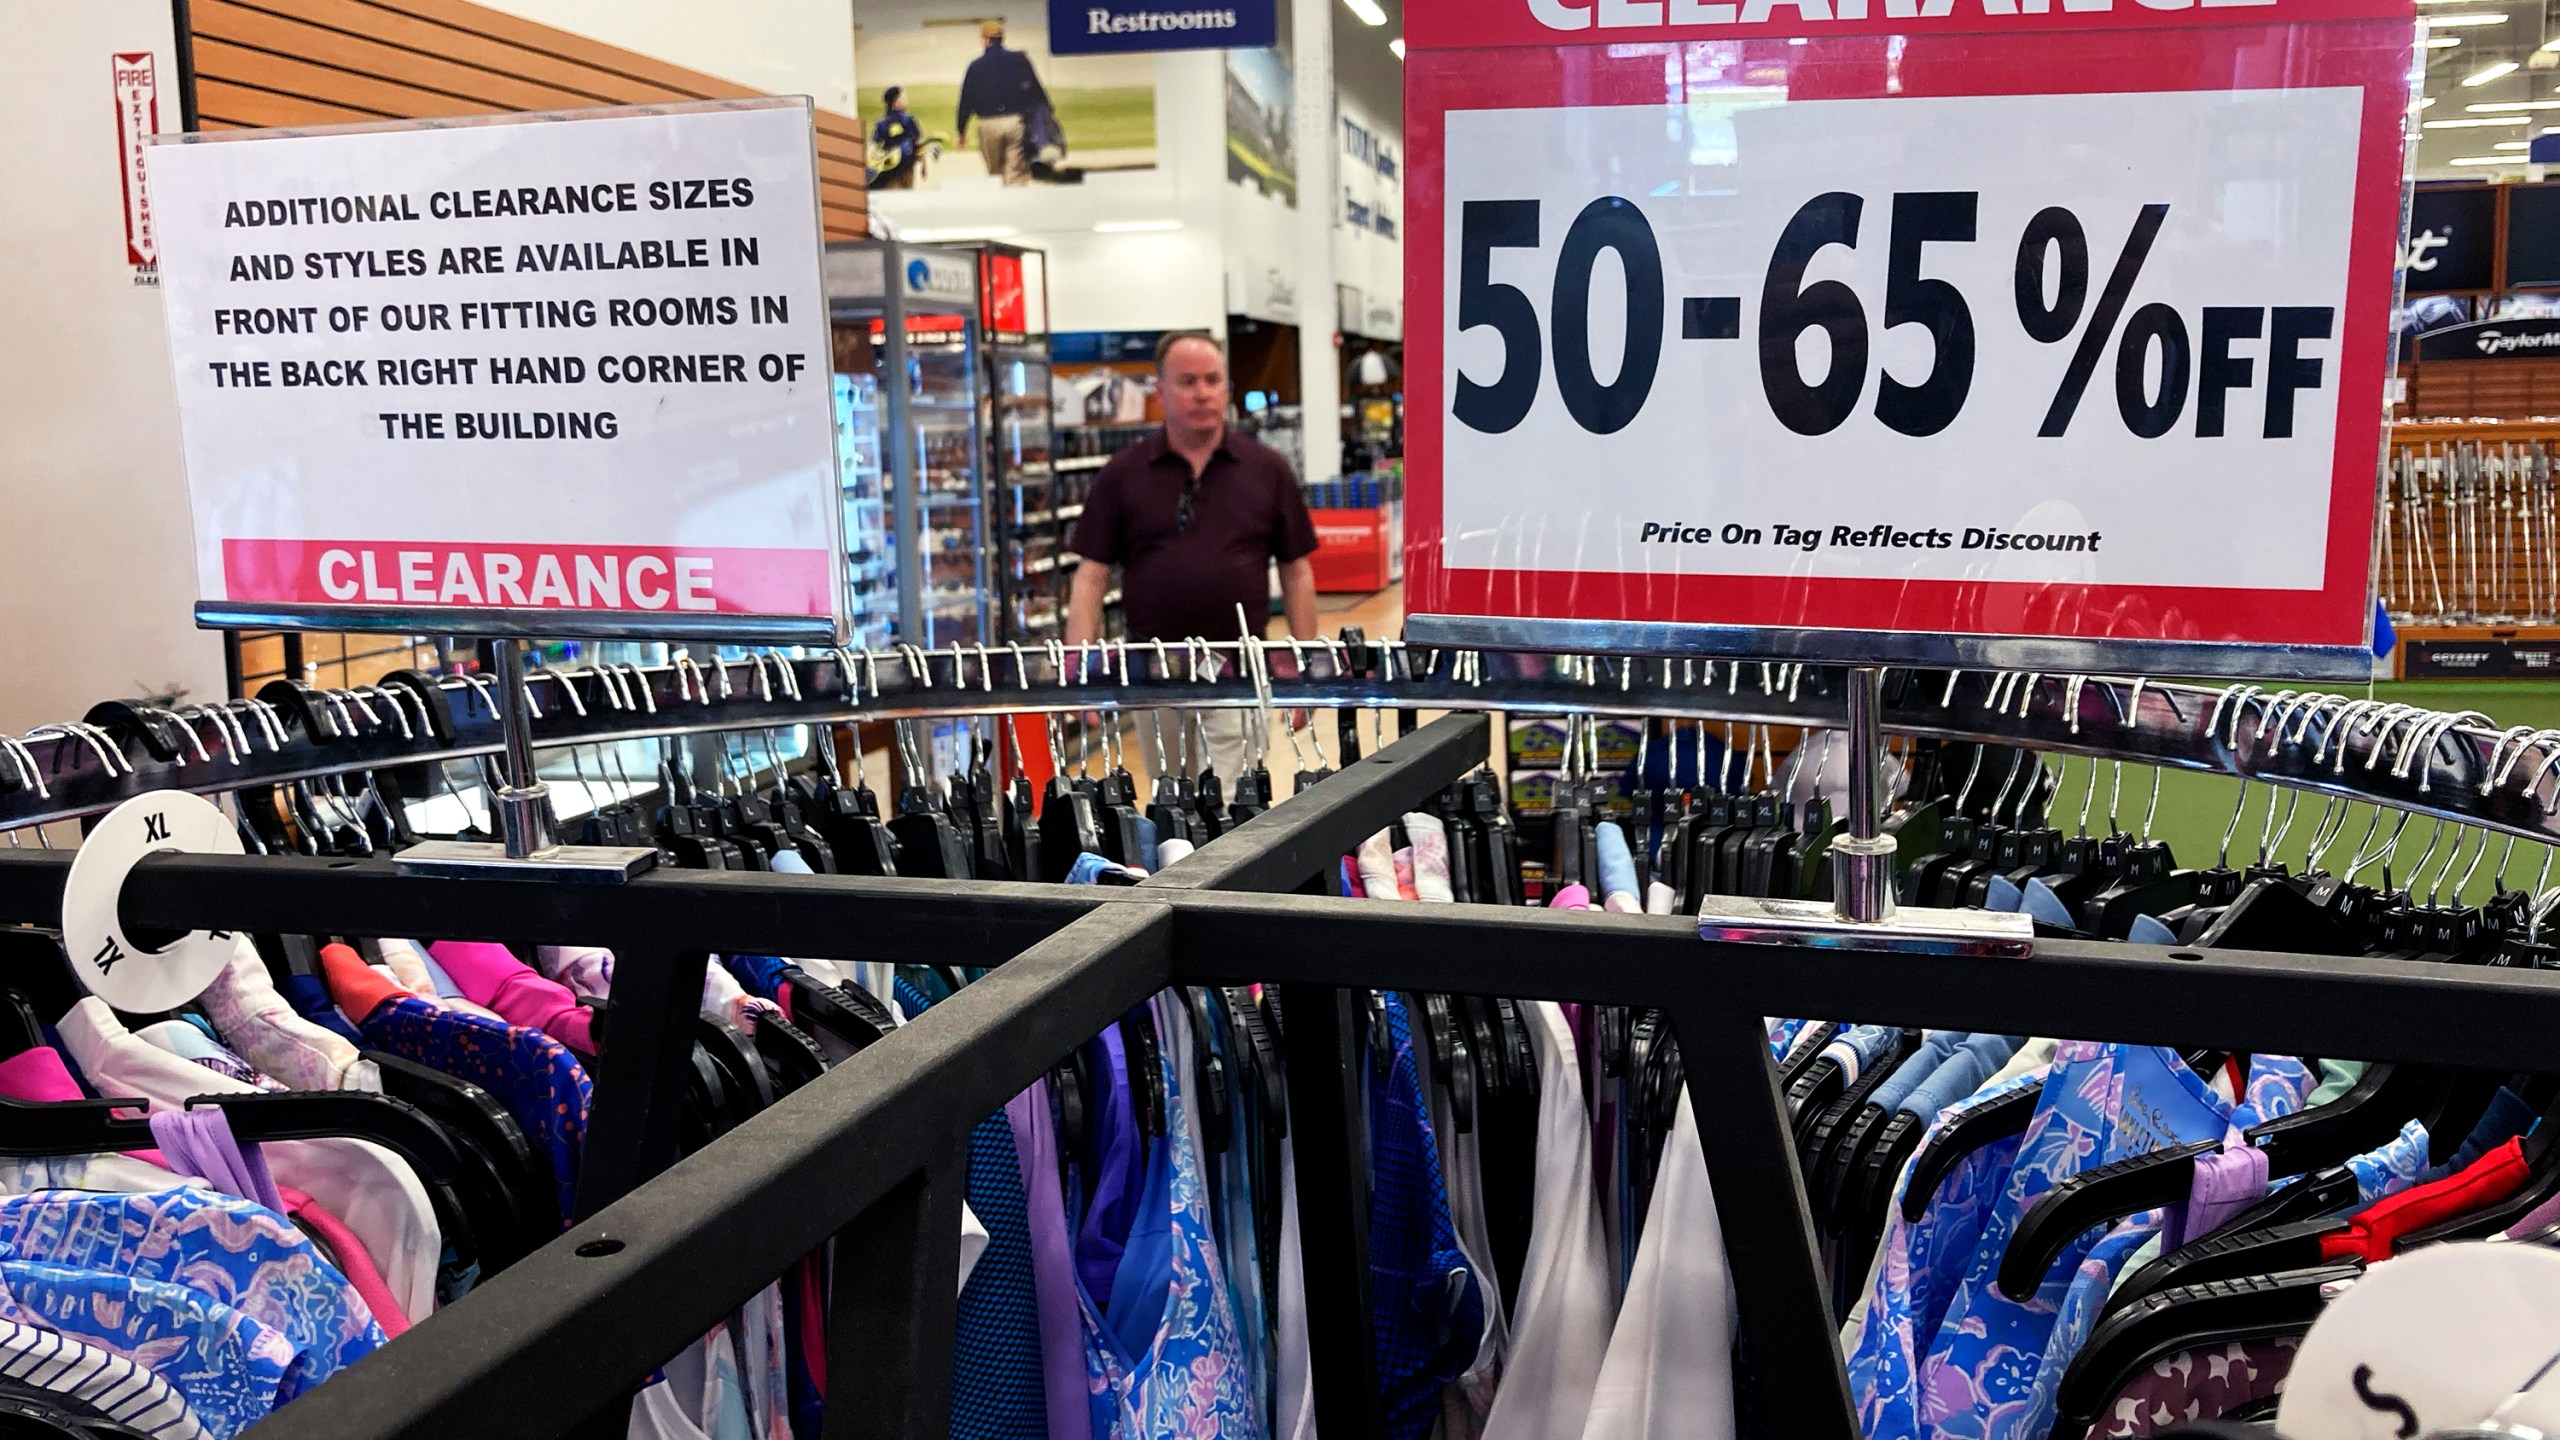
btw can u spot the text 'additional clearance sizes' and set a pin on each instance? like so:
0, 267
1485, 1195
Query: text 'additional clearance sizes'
2211, 371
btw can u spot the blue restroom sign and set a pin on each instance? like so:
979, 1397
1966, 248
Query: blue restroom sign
1117, 27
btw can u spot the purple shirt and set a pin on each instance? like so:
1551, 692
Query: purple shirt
1246, 511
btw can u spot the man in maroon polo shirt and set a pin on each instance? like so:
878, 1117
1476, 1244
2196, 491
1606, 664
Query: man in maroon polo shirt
1194, 515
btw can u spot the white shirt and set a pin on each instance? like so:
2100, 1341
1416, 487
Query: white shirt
1294, 1388
370, 1189
1669, 1375
1567, 1295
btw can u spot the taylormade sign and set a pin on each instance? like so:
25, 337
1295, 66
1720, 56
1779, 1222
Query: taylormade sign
1114, 27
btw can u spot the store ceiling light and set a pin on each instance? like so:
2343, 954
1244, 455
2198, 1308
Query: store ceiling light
2484, 160
1397, 45
2479, 121
1370, 14
2487, 73
2443, 42
2471, 21
1134, 227
2494, 107
2514, 145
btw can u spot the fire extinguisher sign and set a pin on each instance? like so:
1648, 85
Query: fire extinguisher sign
137, 86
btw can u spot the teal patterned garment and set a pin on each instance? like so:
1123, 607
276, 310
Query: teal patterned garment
230, 1368
1190, 1381
235, 1252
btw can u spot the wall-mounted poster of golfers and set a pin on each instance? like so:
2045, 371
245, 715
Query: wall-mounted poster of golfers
957, 96
1261, 107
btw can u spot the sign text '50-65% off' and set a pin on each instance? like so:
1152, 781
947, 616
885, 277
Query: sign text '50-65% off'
2167, 370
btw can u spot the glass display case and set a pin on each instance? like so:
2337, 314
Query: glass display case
870, 552
908, 342
1033, 505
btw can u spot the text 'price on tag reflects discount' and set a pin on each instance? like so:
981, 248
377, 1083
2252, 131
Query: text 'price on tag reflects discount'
2071, 330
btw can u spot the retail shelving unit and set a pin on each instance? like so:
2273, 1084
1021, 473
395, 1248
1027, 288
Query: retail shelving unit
906, 317
1035, 506
871, 550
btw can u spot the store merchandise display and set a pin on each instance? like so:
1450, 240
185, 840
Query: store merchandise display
1556, 1301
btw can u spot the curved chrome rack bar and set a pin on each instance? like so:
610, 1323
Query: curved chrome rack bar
2455, 767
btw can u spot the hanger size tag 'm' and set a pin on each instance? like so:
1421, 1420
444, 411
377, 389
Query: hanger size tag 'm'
116, 970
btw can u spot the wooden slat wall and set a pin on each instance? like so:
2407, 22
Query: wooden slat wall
2510, 389
326, 62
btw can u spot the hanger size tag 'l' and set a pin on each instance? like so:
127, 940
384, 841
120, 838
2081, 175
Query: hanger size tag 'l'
116, 970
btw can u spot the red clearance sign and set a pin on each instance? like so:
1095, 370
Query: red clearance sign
1903, 330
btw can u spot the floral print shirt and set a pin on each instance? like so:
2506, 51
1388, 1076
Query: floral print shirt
2100, 1103
233, 1251
1191, 1382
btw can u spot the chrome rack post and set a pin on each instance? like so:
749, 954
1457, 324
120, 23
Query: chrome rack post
530, 835
524, 816
1862, 858
1862, 912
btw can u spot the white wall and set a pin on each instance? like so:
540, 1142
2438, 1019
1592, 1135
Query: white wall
784, 47
97, 578
1363, 258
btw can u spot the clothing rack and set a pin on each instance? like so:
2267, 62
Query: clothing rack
870, 1152
2451, 767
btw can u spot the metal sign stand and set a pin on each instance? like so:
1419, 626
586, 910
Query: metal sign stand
530, 838
1862, 914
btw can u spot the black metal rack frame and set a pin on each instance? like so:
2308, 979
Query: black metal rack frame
871, 1154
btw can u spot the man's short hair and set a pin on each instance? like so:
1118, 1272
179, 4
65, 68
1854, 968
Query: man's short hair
1164, 347
894, 94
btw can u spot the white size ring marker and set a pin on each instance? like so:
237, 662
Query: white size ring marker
116, 970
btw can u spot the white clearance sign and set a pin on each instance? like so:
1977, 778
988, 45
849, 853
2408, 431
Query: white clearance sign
1902, 326
568, 369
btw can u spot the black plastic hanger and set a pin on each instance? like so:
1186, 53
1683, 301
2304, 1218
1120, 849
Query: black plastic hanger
1993, 1121
1498, 856
2257, 1307
832, 1013
395, 1125
930, 847
1145, 1057
1070, 825
2310, 1201
2366, 1117
1020, 826
1208, 1071
20, 1031
2092, 1198
506, 1185
849, 820
1453, 1060
749, 1086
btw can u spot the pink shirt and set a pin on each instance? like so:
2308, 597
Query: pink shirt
491, 975
39, 1076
